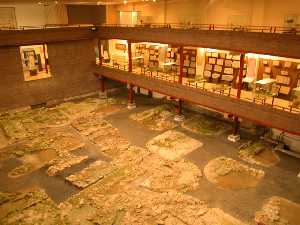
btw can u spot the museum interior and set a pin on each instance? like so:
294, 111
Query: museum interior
150, 112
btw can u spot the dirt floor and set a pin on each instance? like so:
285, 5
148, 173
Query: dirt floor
95, 162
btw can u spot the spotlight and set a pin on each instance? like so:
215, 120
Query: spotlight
94, 28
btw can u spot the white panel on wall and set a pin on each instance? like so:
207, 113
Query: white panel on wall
7, 17
56, 14
129, 17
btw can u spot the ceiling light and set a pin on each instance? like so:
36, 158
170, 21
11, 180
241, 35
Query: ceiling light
125, 2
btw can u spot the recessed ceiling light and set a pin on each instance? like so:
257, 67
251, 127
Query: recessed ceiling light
125, 2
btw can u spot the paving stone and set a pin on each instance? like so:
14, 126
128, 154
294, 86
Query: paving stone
63, 161
159, 118
205, 125
94, 172
259, 153
278, 211
231, 174
173, 145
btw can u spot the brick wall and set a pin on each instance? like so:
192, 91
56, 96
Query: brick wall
71, 65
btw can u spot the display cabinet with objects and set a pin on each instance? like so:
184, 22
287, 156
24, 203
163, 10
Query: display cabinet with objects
35, 62
283, 73
222, 67
189, 62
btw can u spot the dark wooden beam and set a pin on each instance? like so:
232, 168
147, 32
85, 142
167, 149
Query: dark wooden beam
260, 114
38, 36
285, 45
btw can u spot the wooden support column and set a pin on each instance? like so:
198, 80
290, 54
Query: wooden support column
45, 58
180, 107
102, 84
239, 91
102, 91
100, 53
129, 57
179, 116
181, 65
131, 103
241, 74
130, 94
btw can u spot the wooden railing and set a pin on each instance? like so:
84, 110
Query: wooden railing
213, 27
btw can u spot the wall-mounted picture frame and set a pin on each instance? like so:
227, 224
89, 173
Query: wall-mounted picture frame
220, 62
192, 71
228, 56
236, 64
236, 57
222, 55
228, 63
285, 90
186, 63
212, 61
208, 67
267, 69
207, 74
193, 64
214, 54
216, 75
218, 68
287, 64
227, 78
228, 70
276, 63
283, 79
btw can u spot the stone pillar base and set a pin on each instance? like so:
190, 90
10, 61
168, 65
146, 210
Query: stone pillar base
102, 95
179, 118
131, 106
234, 138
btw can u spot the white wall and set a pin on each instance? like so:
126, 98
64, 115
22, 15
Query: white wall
242, 12
38, 15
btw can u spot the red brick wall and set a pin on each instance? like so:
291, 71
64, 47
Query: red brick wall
71, 65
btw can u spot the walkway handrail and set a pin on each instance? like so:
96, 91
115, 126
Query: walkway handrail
213, 27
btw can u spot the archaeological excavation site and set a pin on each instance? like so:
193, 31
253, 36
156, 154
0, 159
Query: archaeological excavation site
150, 112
